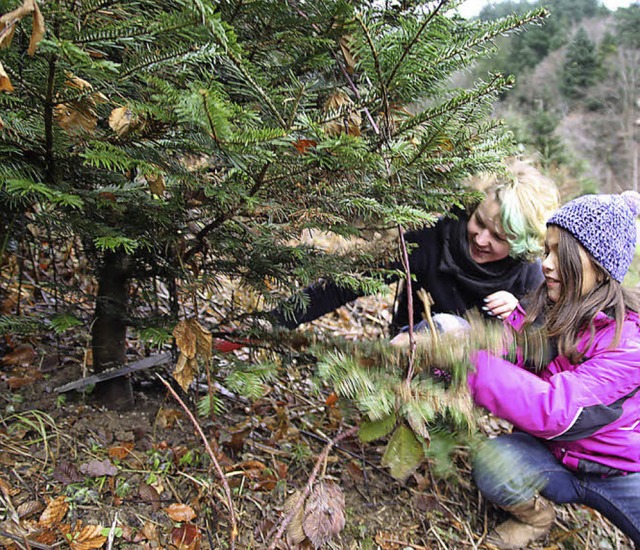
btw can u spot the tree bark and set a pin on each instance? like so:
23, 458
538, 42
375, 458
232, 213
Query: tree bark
109, 331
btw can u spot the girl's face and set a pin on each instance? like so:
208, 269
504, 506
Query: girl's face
551, 267
487, 239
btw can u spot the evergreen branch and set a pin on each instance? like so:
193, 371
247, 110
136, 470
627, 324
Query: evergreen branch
414, 41
256, 87
378, 69
226, 216
48, 119
450, 106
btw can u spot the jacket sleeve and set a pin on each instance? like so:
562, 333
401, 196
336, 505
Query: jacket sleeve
566, 406
321, 297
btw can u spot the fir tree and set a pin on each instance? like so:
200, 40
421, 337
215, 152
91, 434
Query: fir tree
580, 67
188, 146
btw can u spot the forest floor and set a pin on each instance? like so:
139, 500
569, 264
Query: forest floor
76, 475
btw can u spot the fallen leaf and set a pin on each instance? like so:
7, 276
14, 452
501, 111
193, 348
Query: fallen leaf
324, 513
149, 494
386, 541
331, 399
186, 537
343, 118
29, 508
76, 118
28, 378
166, 418
180, 512
99, 468
21, 356
7, 490
5, 82
121, 451
88, 538
67, 472
54, 512
295, 531
349, 60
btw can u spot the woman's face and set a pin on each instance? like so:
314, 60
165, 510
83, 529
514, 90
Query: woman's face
551, 267
487, 239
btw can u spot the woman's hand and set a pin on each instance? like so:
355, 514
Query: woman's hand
500, 304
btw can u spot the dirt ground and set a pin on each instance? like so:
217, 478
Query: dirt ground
76, 475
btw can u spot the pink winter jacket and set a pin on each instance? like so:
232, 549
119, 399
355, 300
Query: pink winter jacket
587, 414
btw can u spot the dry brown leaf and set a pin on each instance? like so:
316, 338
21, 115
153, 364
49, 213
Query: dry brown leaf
180, 512
123, 121
46, 536
185, 371
122, 450
150, 531
186, 537
204, 340
76, 118
1, 124
5, 82
349, 60
99, 468
387, 541
7, 490
29, 508
22, 355
166, 418
295, 532
156, 184
8, 21
149, 494
185, 338
67, 472
54, 512
37, 29
88, 538
344, 119
324, 513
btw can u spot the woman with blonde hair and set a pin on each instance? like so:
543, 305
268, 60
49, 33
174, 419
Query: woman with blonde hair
483, 259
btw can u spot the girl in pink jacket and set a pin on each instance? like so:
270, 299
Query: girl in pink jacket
576, 415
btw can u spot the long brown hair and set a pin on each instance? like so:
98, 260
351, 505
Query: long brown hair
574, 312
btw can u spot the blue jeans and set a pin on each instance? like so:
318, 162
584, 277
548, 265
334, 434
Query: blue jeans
512, 468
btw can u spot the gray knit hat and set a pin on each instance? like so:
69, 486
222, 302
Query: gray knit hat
605, 226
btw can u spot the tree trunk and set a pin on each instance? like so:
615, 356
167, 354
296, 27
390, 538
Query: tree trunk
109, 332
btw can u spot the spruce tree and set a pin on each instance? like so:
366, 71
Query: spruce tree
580, 68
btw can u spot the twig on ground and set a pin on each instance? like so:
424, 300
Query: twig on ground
354, 455
29, 543
112, 532
223, 479
321, 459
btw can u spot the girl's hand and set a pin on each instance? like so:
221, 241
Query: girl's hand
500, 304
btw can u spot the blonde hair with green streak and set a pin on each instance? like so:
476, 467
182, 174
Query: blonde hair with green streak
527, 198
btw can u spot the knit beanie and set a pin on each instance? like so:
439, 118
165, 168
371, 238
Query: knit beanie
605, 226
